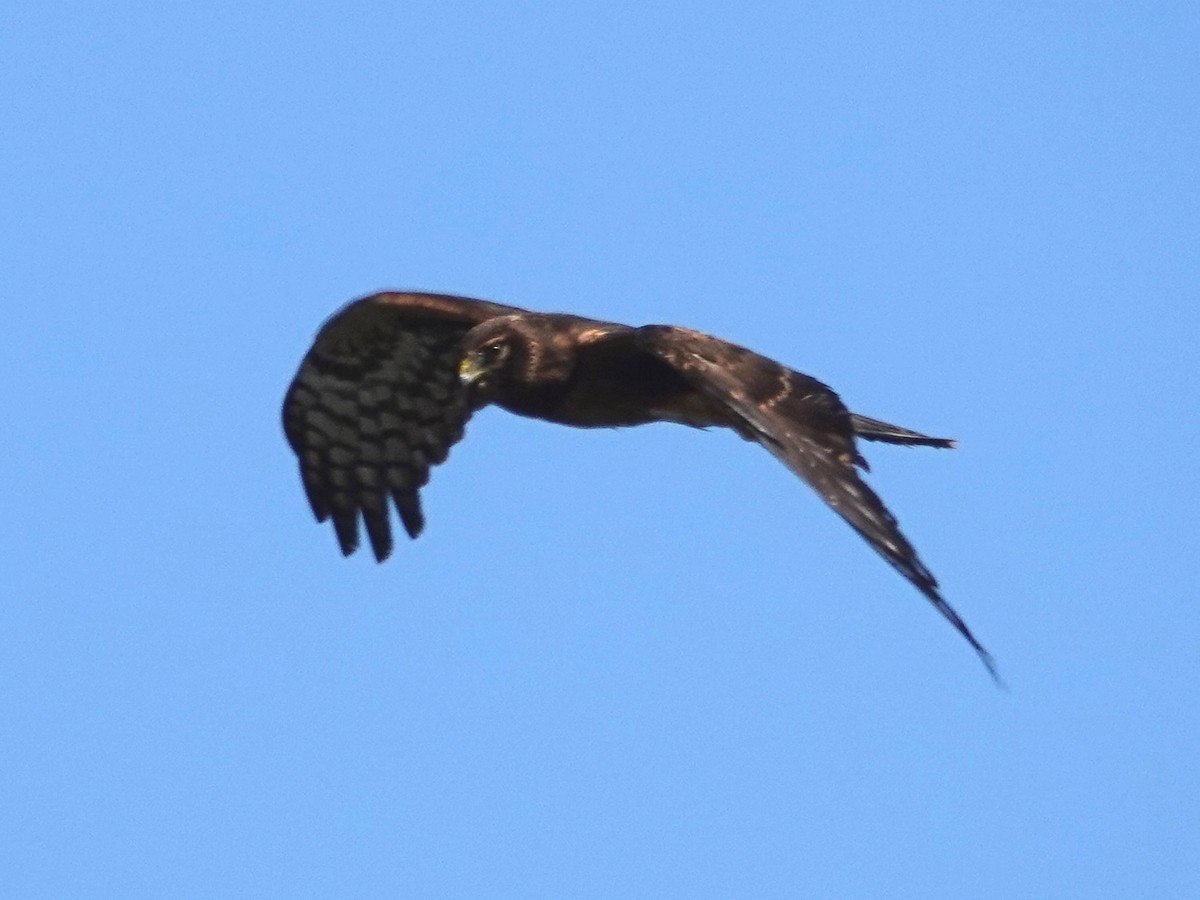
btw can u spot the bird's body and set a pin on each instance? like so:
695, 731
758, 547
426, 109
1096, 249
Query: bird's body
392, 379
590, 374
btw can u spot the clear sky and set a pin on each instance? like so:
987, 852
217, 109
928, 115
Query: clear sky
642, 663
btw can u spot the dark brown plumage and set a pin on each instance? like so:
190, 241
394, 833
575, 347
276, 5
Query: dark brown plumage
392, 379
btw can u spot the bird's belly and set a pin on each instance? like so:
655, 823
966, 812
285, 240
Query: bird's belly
607, 406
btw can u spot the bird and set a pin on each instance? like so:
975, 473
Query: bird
392, 378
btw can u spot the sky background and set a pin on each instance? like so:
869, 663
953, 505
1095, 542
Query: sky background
641, 663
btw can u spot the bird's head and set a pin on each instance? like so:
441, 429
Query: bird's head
490, 354
510, 352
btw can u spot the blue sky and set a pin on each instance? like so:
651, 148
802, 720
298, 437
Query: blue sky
621, 663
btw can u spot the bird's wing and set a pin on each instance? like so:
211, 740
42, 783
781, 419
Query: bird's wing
806, 426
376, 402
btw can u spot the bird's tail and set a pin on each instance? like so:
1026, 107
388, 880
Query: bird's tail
874, 430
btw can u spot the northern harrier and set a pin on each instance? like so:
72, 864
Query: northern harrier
392, 379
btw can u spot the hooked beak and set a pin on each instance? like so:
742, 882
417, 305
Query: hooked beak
470, 370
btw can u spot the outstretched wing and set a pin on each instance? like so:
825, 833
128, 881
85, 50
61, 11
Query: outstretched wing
376, 402
807, 427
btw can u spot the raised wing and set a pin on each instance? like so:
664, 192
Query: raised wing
375, 404
807, 427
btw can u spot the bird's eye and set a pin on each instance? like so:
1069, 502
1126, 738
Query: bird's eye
494, 352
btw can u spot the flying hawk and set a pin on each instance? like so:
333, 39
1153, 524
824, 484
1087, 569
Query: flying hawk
392, 379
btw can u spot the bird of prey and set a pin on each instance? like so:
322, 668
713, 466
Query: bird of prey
392, 379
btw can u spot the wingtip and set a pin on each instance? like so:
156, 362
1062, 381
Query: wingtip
928, 586
990, 664
346, 529
411, 515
